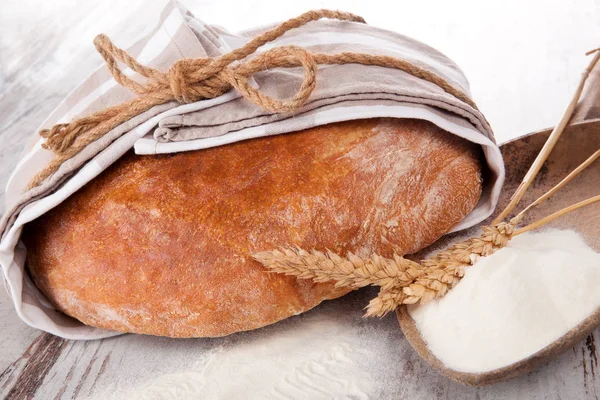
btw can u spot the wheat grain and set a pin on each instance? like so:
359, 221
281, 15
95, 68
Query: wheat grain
351, 271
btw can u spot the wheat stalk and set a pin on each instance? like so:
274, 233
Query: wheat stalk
550, 142
351, 271
402, 281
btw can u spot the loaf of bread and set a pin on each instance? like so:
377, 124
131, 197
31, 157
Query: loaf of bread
162, 245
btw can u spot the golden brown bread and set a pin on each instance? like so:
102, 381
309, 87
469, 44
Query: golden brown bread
162, 244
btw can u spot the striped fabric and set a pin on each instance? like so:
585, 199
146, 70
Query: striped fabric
343, 92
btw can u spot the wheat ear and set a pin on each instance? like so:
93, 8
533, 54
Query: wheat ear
402, 281
351, 271
443, 270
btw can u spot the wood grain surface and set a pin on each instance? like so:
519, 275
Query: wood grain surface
45, 49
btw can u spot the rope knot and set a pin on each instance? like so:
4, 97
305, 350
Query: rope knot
189, 81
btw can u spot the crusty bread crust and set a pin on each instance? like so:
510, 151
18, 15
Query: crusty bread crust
162, 244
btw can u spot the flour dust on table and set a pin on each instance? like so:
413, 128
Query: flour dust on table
513, 303
318, 357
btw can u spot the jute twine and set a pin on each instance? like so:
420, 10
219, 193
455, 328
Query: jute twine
191, 80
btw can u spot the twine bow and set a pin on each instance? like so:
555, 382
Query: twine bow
187, 81
190, 80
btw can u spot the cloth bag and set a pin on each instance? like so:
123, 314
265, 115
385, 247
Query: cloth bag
343, 92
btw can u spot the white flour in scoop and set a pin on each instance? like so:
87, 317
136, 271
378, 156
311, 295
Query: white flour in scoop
513, 303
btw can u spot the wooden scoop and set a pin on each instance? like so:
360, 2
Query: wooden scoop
578, 142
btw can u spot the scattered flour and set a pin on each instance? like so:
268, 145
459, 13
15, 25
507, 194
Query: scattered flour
316, 360
513, 303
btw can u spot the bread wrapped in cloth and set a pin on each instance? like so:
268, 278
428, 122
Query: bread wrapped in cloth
162, 245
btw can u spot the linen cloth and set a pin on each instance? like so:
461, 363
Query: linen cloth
343, 92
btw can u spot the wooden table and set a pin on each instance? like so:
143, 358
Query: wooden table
45, 50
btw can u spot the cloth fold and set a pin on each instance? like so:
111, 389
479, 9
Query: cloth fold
347, 81
343, 92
